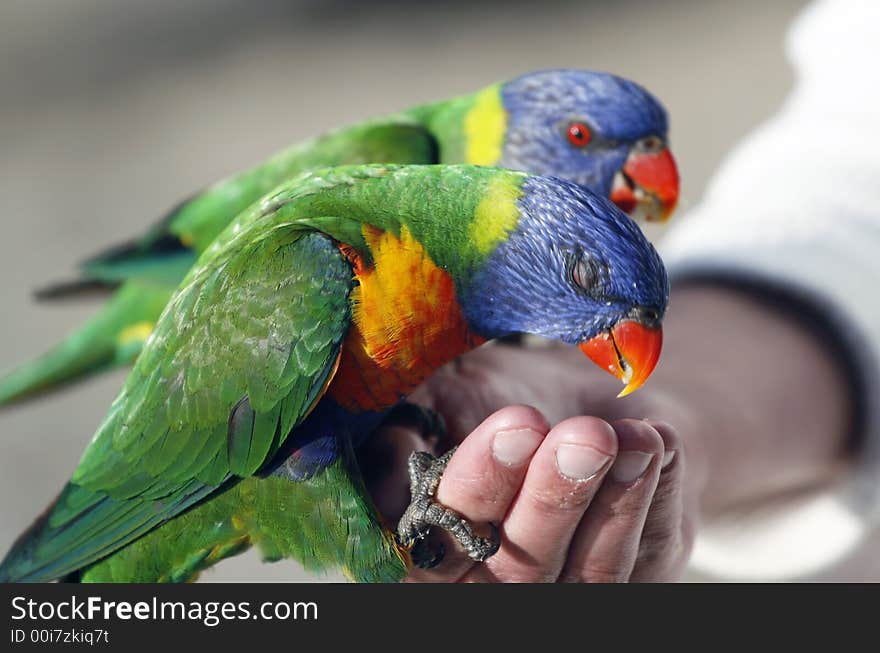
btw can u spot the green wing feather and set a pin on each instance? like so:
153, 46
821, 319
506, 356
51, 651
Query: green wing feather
261, 318
325, 522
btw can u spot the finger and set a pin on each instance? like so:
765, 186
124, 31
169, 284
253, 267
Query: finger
666, 538
562, 479
483, 477
606, 544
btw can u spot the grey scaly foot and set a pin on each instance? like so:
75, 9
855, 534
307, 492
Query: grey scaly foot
423, 512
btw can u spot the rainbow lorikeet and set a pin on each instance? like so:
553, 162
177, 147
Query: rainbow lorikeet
598, 130
296, 332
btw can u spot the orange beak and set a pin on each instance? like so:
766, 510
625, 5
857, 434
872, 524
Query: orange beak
647, 187
629, 351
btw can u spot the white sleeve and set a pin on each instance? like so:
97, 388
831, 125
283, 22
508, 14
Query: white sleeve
797, 206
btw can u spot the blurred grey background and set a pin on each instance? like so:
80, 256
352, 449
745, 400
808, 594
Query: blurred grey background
112, 111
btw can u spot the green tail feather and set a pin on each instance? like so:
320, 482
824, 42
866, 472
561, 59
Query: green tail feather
166, 269
83, 526
324, 523
113, 337
158, 256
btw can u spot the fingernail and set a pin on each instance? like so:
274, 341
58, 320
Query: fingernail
579, 462
630, 465
667, 457
515, 447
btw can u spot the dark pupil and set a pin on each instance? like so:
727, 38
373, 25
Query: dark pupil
576, 132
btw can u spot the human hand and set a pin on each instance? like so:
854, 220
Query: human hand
585, 501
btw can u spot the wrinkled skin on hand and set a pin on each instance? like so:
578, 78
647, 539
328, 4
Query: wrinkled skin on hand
595, 498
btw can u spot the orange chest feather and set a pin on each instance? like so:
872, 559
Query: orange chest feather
406, 324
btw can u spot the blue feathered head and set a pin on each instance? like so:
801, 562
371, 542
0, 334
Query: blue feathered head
575, 269
595, 129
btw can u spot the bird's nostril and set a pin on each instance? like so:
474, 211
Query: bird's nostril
646, 315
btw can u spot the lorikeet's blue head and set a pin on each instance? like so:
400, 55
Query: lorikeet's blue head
598, 130
576, 269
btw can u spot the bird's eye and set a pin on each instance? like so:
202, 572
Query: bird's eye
650, 144
586, 273
579, 134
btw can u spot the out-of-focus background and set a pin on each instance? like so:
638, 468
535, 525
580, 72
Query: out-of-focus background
112, 111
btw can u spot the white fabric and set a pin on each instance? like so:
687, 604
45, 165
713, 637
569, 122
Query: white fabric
798, 203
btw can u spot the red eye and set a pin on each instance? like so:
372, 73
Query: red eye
578, 134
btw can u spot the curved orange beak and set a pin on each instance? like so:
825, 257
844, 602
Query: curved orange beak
629, 351
647, 187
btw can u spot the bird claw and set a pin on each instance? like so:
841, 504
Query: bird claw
425, 472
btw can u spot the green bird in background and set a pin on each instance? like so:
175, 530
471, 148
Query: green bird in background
310, 317
595, 129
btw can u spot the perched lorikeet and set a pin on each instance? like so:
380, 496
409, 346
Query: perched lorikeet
598, 130
297, 330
